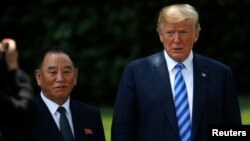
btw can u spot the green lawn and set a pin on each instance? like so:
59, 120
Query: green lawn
107, 115
245, 110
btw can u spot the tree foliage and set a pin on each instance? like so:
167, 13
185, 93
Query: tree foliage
106, 35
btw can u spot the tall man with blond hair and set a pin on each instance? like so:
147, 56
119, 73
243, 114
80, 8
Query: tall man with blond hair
174, 95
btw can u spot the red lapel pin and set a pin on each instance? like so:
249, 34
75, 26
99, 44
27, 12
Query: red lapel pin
88, 131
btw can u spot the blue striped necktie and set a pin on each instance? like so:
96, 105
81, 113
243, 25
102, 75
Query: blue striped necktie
181, 104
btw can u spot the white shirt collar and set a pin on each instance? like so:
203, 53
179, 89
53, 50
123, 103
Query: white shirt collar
187, 62
52, 106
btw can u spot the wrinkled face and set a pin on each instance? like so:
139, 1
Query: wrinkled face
178, 39
56, 77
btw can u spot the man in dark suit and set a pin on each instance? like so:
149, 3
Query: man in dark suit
17, 105
57, 76
146, 104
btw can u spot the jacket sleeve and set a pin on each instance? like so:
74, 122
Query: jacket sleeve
17, 99
124, 117
231, 109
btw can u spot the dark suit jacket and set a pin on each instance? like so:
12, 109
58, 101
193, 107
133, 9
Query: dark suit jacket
17, 106
144, 108
86, 121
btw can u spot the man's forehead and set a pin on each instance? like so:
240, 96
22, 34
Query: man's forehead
57, 61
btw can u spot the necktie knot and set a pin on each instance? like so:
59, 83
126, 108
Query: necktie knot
179, 66
61, 110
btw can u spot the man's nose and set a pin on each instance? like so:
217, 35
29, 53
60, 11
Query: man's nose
176, 37
60, 76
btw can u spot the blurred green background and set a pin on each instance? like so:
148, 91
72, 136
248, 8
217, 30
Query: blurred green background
105, 35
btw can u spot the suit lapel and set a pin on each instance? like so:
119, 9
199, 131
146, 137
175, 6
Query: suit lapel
199, 92
77, 122
165, 95
47, 123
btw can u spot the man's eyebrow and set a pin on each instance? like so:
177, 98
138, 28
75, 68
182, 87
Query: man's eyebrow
51, 67
69, 67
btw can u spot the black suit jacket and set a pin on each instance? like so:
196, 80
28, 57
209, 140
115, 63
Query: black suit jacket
86, 121
144, 108
17, 106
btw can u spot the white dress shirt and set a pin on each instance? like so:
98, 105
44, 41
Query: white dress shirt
187, 73
52, 106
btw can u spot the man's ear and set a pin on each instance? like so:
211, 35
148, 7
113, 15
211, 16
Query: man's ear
76, 75
160, 36
38, 75
196, 36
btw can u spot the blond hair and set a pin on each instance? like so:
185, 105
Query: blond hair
177, 13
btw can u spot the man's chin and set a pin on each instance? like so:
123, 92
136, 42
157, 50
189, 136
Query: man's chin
178, 58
